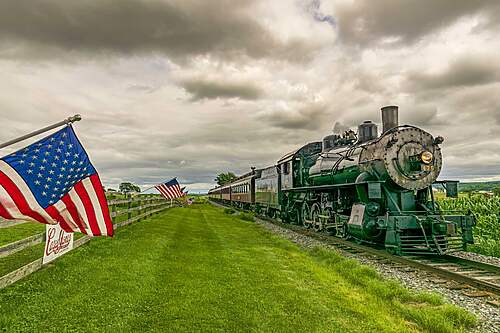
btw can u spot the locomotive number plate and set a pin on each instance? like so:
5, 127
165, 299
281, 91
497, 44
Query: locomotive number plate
427, 167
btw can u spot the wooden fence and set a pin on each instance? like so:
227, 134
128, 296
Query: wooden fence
143, 207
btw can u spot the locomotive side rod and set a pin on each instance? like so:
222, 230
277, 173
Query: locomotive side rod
42, 130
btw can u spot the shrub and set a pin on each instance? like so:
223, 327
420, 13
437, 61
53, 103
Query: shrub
247, 217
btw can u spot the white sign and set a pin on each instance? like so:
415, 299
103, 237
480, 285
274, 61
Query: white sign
57, 242
357, 214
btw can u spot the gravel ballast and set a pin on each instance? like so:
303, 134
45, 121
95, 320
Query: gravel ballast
489, 315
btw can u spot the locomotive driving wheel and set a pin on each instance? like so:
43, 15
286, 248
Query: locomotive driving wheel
306, 215
317, 224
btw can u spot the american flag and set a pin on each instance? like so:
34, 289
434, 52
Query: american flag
170, 189
52, 181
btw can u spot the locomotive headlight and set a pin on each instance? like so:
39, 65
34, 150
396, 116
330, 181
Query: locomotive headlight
426, 157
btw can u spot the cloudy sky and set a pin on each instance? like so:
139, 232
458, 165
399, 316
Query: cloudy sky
192, 88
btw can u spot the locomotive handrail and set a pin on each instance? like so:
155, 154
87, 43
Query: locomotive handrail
322, 187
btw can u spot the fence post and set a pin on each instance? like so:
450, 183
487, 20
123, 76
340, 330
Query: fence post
113, 210
129, 213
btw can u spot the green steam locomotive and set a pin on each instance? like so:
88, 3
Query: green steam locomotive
362, 186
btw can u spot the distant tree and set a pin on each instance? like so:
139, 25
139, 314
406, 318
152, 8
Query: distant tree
127, 187
496, 191
225, 178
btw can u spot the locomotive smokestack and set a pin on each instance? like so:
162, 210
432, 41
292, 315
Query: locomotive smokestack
389, 117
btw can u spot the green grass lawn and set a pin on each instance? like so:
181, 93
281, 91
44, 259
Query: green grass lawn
21, 231
198, 269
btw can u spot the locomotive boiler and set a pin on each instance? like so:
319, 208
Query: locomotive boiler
371, 188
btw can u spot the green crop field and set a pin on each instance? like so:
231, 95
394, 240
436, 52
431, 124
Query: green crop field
487, 213
198, 269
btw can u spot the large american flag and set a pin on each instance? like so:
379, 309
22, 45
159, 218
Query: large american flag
52, 181
170, 189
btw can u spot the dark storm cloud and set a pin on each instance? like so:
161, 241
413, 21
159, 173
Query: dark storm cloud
470, 70
206, 89
367, 21
178, 29
306, 118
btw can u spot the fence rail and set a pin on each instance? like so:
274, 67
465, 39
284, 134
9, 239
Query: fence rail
147, 206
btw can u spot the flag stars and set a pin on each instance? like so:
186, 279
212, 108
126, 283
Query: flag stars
48, 179
30, 171
65, 161
68, 154
21, 161
44, 160
39, 175
46, 186
37, 182
51, 172
42, 167
34, 157
44, 193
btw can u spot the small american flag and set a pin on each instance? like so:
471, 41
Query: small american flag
52, 181
170, 189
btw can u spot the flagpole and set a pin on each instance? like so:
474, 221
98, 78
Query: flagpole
40, 131
148, 189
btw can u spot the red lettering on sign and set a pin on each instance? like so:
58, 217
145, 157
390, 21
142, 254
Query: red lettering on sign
56, 244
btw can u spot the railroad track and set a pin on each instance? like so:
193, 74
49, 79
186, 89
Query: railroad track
476, 279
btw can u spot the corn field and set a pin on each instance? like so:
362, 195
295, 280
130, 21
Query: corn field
487, 213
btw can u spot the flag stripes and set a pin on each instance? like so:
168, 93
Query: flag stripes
52, 181
170, 190
83, 208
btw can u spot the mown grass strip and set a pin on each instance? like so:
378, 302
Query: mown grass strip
198, 269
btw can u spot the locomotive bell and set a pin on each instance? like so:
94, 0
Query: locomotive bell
389, 117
